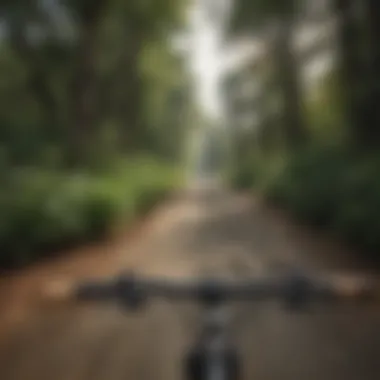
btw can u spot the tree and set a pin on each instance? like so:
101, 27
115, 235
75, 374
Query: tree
351, 67
134, 27
21, 19
253, 16
73, 81
370, 131
89, 15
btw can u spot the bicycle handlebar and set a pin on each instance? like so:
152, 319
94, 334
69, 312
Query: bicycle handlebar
296, 289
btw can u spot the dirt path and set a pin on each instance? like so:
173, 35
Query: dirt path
218, 233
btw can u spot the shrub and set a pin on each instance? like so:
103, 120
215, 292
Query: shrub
43, 211
357, 215
310, 183
329, 187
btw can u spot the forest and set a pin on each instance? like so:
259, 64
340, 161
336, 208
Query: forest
96, 112
317, 156
92, 98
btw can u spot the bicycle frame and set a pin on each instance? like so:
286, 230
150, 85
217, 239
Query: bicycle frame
213, 357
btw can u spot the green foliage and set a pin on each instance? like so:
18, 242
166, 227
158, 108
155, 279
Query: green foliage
357, 215
325, 111
243, 177
84, 84
44, 211
152, 16
260, 172
251, 15
332, 181
326, 186
309, 183
325, 183
336, 190
88, 51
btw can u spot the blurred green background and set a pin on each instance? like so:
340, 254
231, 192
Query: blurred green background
92, 102
97, 114
316, 151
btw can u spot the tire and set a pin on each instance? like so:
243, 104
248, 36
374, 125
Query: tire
196, 364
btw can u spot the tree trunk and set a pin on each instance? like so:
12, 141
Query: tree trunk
351, 69
131, 102
120, 93
38, 81
371, 125
288, 80
373, 18
85, 82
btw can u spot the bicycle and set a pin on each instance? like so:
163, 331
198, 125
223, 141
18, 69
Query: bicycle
213, 357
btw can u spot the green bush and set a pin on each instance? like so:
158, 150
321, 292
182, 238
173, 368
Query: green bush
339, 191
310, 183
357, 215
326, 186
42, 211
